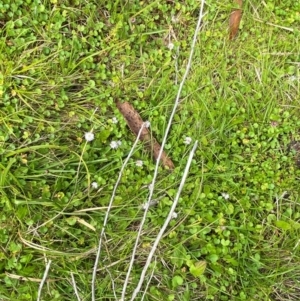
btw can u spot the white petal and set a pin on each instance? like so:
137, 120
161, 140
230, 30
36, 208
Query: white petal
170, 45
95, 185
225, 195
114, 145
187, 140
89, 136
139, 163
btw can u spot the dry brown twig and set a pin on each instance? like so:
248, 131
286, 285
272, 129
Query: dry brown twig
135, 122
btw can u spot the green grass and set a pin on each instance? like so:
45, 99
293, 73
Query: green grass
63, 64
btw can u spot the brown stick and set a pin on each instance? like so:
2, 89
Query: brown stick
234, 20
135, 122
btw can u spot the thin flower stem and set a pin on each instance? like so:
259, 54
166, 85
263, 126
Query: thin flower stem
75, 287
43, 280
149, 281
151, 190
169, 217
108, 211
176, 56
112, 283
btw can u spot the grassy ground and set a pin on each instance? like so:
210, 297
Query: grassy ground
63, 64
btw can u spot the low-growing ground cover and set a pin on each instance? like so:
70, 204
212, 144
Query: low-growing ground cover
64, 64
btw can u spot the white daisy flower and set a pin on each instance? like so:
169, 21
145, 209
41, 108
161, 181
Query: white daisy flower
170, 46
147, 124
94, 185
175, 19
149, 204
150, 186
145, 206
89, 136
114, 120
292, 78
187, 140
225, 195
139, 163
115, 144
174, 215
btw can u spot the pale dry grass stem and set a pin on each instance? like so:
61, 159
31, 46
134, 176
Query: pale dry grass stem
43, 280
75, 287
108, 211
166, 223
176, 103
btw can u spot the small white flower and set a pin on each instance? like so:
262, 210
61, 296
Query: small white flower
187, 140
115, 144
149, 204
170, 46
114, 120
147, 124
174, 215
175, 19
95, 185
145, 206
139, 163
150, 186
89, 136
292, 78
225, 195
